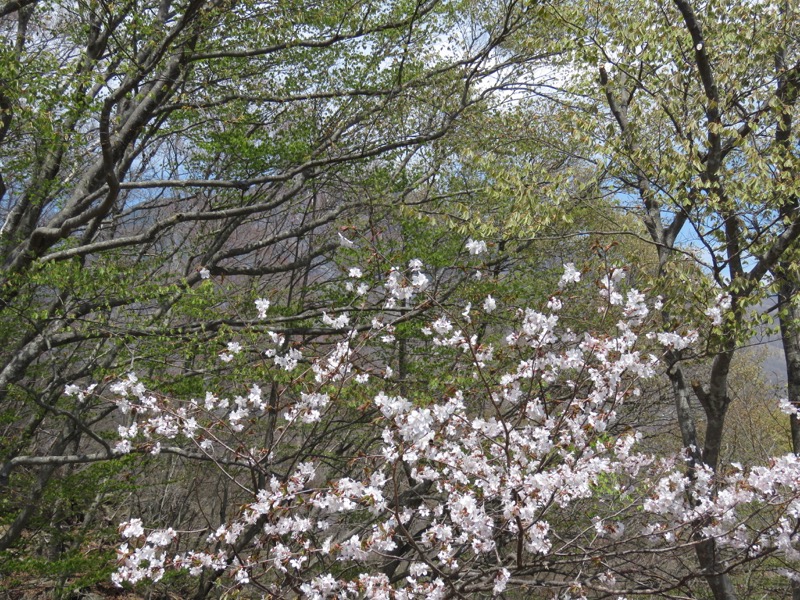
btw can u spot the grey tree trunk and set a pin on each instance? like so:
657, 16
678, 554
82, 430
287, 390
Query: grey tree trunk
791, 350
706, 548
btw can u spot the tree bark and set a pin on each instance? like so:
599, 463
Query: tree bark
791, 351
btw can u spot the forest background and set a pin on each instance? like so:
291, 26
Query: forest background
414, 298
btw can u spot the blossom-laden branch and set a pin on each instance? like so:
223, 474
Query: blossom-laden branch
524, 478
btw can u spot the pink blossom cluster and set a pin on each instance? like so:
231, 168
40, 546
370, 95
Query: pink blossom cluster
468, 488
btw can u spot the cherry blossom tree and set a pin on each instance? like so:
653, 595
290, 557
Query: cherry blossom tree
517, 479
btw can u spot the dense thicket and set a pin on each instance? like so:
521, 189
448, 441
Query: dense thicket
319, 210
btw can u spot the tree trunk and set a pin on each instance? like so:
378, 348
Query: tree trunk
706, 548
791, 352
719, 583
